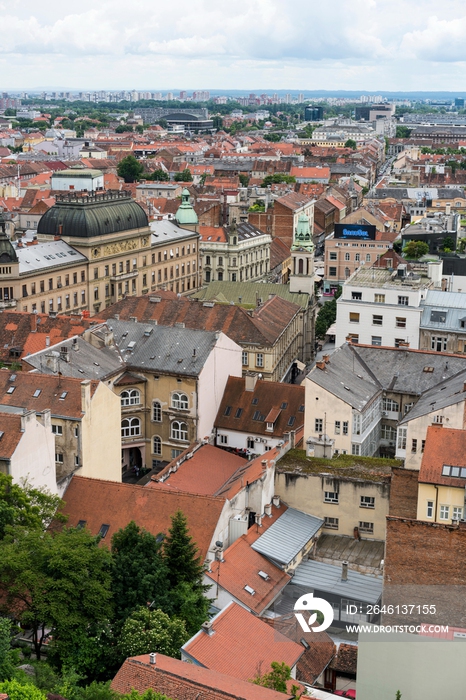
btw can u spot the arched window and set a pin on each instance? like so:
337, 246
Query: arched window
179, 431
156, 445
300, 266
179, 401
130, 397
157, 411
130, 427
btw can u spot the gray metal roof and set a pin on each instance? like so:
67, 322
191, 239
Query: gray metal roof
287, 536
345, 377
446, 393
315, 575
84, 361
453, 304
403, 371
169, 232
167, 349
45, 256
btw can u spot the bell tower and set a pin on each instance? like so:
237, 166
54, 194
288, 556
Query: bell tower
302, 276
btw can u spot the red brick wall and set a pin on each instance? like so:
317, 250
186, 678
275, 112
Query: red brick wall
425, 564
283, 223
264, 221
403, 493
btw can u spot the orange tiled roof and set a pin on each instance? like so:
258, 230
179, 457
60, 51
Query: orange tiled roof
10, 427
213, 233
101, 502
444, 446
180, 681
241, 644
240, 568
205, 472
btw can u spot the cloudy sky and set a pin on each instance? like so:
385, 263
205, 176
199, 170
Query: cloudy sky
242, 44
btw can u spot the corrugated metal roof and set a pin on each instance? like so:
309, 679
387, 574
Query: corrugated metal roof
315, 575
287, 536
44, 256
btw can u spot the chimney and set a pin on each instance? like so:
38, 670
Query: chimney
47, 341
268, 509
320, 364
153, 658
250, 382
276, 501
85, 395
207, 627
258, 521
344, 570
326, 359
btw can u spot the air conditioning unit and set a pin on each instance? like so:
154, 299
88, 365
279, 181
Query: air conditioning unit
385, 413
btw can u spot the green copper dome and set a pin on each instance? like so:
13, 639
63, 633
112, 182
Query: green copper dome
92, 215
7, 252
303, 235
185, 215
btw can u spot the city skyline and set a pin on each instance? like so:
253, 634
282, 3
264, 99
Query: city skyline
368, 46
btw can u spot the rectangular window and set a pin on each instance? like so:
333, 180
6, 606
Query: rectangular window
430, 509
347, 255
438, 343
457, 513
83, 276
332, 271
367, 502
345, 427
399, 342
400, 322
353, 317
50, 283
355, 449
96, 273
444, 512
376, 340
59, 457
403, 301
414, 445
377, 320
337, 427
318, 425
401, 440
367, 528
245, 358
333, 256
379, 298
356, 295
331, 523
438, 316
330, 496
57, 429
259, 359
223, 439
423, 444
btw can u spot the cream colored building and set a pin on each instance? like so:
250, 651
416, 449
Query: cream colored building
93, 250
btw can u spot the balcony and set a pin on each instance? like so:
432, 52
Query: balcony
124, 276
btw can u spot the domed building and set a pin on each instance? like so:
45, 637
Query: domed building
92, 250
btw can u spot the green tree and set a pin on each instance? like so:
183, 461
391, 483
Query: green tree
414, 250
184, 176
163, 123
217, 122
58, 582
402, 132
327, 315
277, 178
9, 658
152, 630
139, 129
185, 574
244, 179
19, 691
274, 137
351, 143
130, 169
25, 506
277, 678
123, 129
448, 244
139, 571
158, 175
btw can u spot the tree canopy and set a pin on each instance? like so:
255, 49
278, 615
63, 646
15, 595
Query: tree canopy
25, 506
130, 169
415, 249
184, 176
148, 630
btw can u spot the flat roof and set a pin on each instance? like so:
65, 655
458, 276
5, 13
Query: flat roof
315, 575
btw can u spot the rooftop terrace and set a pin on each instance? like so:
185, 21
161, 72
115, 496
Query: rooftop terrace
345, 466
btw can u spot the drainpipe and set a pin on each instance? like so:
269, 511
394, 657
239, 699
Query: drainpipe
436, 501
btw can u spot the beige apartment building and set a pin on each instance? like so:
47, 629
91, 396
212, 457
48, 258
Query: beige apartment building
93, 250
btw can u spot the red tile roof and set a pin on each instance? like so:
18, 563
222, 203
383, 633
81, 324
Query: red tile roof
444, 446
314, 173
213, 234
182, 681
98, 502
10, 426
318, 653
241, 645
264, 325
346, 659
52, 388
265, 402
240, 568
205, 472
279, 252
294, 201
